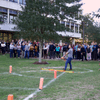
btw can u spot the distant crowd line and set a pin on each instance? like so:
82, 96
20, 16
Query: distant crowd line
23, 49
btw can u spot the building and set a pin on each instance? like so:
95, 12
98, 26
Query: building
9, 10
74, 31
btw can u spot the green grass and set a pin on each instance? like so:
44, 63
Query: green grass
81, 85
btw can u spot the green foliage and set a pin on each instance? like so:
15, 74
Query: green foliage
91, 30
40, 18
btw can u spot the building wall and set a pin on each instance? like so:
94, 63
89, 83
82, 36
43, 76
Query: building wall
10, 5
6, 36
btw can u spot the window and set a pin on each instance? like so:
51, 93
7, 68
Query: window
13, 12
12, 15
22, 2
3, 15
4, 10
6, 36
5, 18
16, 1
11, 18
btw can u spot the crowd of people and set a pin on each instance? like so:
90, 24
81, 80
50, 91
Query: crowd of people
23, 49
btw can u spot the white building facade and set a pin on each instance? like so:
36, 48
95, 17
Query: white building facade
9, 10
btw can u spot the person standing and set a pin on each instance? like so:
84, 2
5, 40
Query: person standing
51, 49
99, 52
73, 51
79, 52
88, 50
70, 57
3, 47
57, 51
76, 56
22, 41
54, 53
18, 49
91, 46
23, 50
27, 47
16, 41
83, 53
15, 50
7, 46
0, 45
31, 50
11, 49
64, 49
45, 51
94, 51
36, 50
85, 46
13, 43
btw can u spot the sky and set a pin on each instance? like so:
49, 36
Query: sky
91, 6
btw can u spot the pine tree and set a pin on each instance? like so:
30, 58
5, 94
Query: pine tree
40, 19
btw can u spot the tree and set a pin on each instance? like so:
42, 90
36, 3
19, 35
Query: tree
91, 29
40, 19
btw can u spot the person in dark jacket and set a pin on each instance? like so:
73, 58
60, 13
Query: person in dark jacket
7, 46
65, 48
51, 50
83, 53
79, 52
15, 50
99, 52
95, 47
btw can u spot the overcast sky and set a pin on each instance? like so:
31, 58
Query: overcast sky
90, 5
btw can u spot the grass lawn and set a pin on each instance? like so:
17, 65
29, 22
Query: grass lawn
83, 84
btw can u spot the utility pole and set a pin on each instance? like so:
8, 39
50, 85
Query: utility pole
83, 31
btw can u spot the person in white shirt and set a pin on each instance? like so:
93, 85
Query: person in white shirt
3, 47
18, 50
11, 49
45, 51
0, 45
29, 43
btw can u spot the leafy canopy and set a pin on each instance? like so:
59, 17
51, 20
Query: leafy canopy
91, 29
40, 19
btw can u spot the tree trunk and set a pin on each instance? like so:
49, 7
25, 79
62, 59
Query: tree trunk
40, 51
